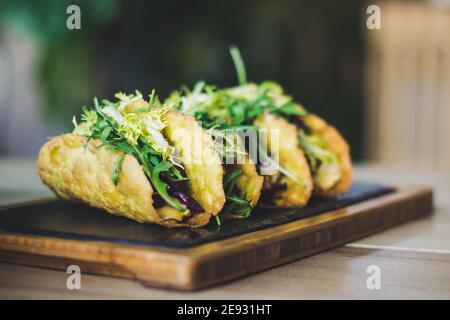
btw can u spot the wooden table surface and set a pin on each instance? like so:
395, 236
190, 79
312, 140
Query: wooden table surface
414, 258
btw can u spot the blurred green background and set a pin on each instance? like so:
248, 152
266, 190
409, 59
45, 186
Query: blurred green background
315, 49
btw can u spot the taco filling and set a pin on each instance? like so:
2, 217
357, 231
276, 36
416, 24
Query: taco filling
323, 162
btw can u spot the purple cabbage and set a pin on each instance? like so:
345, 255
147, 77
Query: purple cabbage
178, 190
187, 201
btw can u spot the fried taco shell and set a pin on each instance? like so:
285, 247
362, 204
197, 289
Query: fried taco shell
76, 169
200, 160
331, 179
290, 157
249, 183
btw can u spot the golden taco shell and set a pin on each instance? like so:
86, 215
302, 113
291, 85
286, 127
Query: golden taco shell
291, 157
337, 144
249, 183
200, 160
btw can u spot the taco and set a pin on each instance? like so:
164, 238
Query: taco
252, 107
326, 151
242, 183
127, 158
328, 155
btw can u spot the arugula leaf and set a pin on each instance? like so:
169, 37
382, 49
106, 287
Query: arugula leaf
239, 65
230, 180
105, 133
236, 203
154, 176
290, 109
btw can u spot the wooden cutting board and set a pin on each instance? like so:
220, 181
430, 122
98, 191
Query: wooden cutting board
56, 234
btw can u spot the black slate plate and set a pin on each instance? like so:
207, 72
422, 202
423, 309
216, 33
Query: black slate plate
74, 221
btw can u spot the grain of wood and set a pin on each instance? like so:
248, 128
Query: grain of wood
336, 274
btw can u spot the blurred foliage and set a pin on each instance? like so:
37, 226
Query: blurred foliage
67, 57
313, 48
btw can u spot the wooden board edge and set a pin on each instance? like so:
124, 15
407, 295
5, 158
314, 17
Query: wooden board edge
221, 261
232, 258
163, 267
